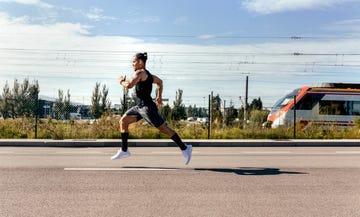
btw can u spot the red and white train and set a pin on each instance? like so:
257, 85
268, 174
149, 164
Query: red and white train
324, 104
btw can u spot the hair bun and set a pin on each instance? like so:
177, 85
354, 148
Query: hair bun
141, 56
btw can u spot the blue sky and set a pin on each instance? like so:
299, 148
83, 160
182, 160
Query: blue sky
198, 46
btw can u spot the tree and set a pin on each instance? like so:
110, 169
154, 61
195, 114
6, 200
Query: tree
165, 112
99, 101
5, 102
21, 101
67, 106
105, 102
193, 111
257, 117
59, 105
241, 113
32, 98
178, 111
216, 109
16, 103
95, 102
132, 101
62, 105
127, 101
231, 115
256, 104
123, 101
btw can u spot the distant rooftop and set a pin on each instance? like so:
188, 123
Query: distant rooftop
52, 99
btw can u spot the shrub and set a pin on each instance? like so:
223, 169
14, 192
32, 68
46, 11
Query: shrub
108, 128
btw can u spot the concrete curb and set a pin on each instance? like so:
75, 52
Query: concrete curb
169, 143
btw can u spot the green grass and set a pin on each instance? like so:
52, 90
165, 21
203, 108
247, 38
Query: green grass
108, 128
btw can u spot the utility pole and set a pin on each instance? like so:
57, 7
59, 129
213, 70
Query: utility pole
37, 115
246, 102
210, 116
224, 117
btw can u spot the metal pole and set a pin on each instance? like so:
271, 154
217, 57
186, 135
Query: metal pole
246, 102
294, 117
36, 115
209, 116
224, 112
211, 109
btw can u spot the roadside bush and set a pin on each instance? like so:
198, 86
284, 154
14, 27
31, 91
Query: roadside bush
108, 128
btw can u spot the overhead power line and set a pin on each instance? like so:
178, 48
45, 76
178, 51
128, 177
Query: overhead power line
207, 36
123, 52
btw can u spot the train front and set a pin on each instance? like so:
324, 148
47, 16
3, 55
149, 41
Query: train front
280, 114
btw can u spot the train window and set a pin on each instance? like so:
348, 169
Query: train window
328, 107
285, 100
308, 101
356, 108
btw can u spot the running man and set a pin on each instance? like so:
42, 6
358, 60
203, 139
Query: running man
146, 108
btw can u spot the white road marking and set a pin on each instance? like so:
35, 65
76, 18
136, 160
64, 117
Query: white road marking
266, 152
78, 152
126, 169
7, 152
347, 152
165, 152
170, 152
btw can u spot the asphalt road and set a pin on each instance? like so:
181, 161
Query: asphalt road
233, 181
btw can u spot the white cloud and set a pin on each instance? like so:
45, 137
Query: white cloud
352, 26
67, 56
206, 36
96, 14
38, 3
182, 20
5, 19
22, 35
147, 19
277, 6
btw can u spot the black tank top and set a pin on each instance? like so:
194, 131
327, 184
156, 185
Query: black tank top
144, 88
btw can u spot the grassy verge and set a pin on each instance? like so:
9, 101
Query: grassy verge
108, 128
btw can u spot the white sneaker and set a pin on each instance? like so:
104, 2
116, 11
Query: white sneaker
187, 154
121, 154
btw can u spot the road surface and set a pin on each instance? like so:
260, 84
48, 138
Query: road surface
231, 181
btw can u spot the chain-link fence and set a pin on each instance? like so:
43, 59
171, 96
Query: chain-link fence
23, 113
26, 115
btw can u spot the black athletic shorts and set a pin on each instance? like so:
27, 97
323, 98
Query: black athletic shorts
149, 112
